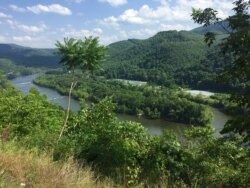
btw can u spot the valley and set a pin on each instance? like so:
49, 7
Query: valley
99, 107
154, 127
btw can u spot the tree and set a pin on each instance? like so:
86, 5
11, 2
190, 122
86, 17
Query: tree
29, 119
85, 54
237, 45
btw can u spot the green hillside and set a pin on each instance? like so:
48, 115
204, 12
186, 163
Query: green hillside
29, 56
30, 126
168, 58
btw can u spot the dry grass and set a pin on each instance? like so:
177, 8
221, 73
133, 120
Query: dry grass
22, 168
28, 169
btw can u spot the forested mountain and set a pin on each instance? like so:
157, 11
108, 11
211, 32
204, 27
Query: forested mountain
168, 58
29, 56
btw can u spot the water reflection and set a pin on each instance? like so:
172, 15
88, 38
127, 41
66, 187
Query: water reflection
154, 127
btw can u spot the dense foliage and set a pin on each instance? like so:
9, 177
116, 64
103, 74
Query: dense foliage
169, 58
218, 100
122, 150
236, 46
149, 101
30, 119
86, 55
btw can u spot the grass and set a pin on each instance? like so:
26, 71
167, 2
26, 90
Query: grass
22, 168
30, 169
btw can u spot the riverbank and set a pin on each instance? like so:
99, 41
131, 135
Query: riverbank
155, 127
96, 137
149, 101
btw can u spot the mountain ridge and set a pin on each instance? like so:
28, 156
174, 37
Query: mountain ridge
168, 58
27, 56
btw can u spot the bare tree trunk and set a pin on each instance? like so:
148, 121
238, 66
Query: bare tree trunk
125, 183
73, 84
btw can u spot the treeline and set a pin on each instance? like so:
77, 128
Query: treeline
121, 151
148, 100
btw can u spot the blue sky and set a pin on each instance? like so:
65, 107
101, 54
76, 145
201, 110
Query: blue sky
39, 23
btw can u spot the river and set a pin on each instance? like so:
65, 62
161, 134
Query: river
154, 127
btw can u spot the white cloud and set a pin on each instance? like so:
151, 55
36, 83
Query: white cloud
17, 9
25, 38
132, 16
27, 28
109, 39
62, 29
166, 12
97, 30
178, 27
82, 33
168, 15
110, 21
129, 16
164, 2
76, 1
114, 3
139, 34
2, 15
31, 41
53, 8
126, 34
77, 34
2, 39
145, 15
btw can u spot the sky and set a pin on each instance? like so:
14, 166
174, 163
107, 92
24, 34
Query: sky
40, 23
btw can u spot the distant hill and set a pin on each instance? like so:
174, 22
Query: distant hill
168, 58
220, 28
29, 56
11, 70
